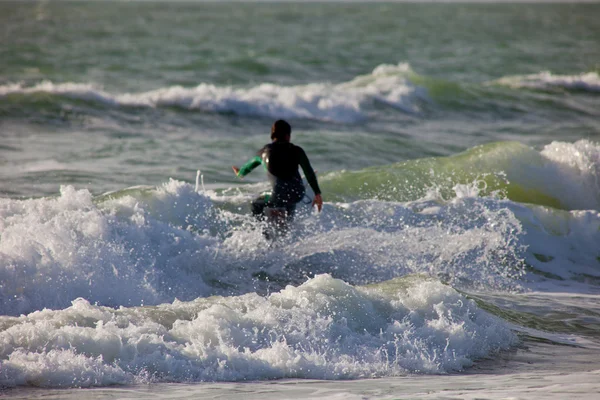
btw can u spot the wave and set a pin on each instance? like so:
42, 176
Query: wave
367, 288
561, 248
323, 329
55, 249
588, 82
387, 87
346, 102
561, 175
147, 246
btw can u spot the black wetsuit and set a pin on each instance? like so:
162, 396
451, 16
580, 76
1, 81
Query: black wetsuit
281, 161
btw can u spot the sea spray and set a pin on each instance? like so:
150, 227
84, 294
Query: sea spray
152, 245
54, 250
561, 247
146, 246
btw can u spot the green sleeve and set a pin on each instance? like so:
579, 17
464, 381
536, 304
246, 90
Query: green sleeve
249, 166
308, 171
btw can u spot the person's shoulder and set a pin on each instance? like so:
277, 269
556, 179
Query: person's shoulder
263, 149
299, 150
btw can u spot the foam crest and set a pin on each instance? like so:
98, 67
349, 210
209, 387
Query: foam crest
589, 82
323, 329
577, 172
81, 91
562, 248
346, 102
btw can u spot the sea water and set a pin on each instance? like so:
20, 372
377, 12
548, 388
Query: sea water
457, 254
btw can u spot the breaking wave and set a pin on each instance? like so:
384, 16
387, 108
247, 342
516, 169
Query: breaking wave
345, 102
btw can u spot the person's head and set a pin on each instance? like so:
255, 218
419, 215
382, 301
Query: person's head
281, 131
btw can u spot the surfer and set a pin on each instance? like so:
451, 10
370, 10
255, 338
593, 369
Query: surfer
281, 159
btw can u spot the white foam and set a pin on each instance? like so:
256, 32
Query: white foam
562, 247
576, 170
346, 102
126, 252
587, 81
468, 243
152, 245
84, 91
323, 329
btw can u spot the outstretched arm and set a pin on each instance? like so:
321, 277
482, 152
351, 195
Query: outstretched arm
248, 167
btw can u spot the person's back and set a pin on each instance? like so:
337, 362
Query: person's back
281, 160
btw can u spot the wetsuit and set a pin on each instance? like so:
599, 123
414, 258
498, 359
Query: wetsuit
281, 161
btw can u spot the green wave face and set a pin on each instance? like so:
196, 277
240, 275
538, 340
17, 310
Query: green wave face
504, 168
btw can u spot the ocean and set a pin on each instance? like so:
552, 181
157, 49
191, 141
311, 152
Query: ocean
457, 255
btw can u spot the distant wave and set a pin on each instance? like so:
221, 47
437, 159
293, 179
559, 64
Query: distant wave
346, 102
589, 82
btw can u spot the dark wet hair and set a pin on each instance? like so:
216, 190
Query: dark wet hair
280, 130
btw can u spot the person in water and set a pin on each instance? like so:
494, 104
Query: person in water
281, 159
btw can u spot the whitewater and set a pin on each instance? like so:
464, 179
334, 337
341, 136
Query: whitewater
457, 252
